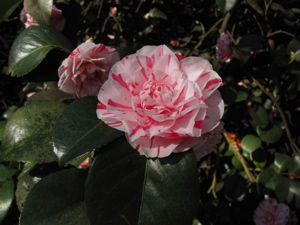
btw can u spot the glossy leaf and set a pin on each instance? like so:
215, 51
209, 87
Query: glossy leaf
270, 135
40, 10
32, 46
28, 133
57, 199
6, 191
259, 115
285, 189
78, 130
7, 8
126, 188
281, 161
225, 5
250, 143
294, 165
235, 187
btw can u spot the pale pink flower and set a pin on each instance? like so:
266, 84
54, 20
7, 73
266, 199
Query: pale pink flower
269, 212
163, 104
85, 164
86, 69
224, 52
57, 20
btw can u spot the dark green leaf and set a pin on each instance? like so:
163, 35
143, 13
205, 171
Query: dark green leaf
40, 10
57, 199
124, 51
294, 165
235, 188
28, 133
250, 143
6, 191
126, 188
7, 8
2, 126
277, 7
259, 158
78, 130
281, 161
270, 135
282, 56
255, 5
32, 46
225, 5
294, 45
259, 115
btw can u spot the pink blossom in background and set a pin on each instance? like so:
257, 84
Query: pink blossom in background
86, 69
269, 212
57, 20
224, 52
162, 102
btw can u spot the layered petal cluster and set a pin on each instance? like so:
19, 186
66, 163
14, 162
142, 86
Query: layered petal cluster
270, 212
57, 20
224, 52
86, 69
162, 102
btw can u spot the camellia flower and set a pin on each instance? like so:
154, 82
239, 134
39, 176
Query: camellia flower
57, 20
224, 52
163, 103
269, 212
86, 69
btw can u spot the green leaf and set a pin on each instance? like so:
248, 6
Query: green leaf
7, 8
294, 45
270, 135
40, 10
2, 126
54, 95
259, 115
259, 158
294, 165
6, 191
255, 5
28, 134
57, 199
235, 188
225, 5
124, 187
9, 112
250, 143
277, 7
32, 46
125, 51
25, 184
281, 161
156, 13
78, 130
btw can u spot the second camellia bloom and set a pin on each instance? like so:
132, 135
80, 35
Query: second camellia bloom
163, 103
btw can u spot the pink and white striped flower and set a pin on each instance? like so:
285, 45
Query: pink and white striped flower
269, 212
163, 104
86, 69
57, 20
224, 52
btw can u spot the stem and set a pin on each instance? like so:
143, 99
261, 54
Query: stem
284, 120
280, 32
203, 36
241, 159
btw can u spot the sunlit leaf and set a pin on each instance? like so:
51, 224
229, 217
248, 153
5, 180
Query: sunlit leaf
40, 10
225, 5
250, 143
28, 134
156, 13
32, 46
